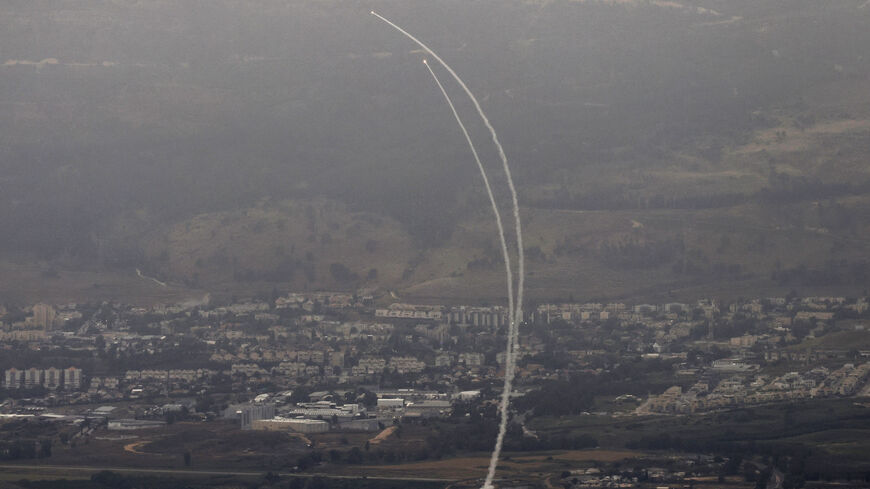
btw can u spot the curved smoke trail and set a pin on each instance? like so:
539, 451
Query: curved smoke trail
513, 323
498, 222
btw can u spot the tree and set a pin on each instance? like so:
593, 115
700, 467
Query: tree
300, 395
316, 483
44, 448
341, 273
355, 456
271, 478
761, 483
732, 466
793, 481
370, 399
203, 404
108, 478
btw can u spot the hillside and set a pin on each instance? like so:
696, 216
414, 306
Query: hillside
300, 245
661, 149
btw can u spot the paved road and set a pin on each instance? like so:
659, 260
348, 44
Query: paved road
132, 470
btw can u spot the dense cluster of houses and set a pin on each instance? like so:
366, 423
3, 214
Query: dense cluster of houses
342, 340
737, 391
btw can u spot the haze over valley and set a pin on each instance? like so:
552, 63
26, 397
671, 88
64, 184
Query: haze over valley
227, 148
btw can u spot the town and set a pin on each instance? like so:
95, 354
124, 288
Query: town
312, 364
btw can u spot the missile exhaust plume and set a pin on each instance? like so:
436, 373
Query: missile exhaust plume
501, 153
498, 221
513, 323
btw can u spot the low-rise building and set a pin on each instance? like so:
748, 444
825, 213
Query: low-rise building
298, 425
248, 413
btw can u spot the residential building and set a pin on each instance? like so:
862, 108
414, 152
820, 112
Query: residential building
13, 378
72, 378
53, 378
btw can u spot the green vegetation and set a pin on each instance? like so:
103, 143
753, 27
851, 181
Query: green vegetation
846, 340
811, 431
108, 479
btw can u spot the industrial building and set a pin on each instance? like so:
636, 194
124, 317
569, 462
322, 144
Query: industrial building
298, 425
248, 413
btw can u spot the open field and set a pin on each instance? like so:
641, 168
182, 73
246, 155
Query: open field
848, 443
836, 429
79, 477
782, 424
848, 340
512, 464
211, 445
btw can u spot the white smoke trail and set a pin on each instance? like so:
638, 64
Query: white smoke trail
498, 222
513, 323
